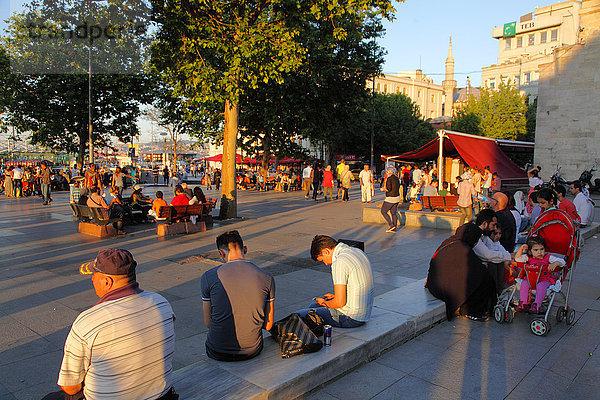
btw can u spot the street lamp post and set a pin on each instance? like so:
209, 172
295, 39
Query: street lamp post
90, 138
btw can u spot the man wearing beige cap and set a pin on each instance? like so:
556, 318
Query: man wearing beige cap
122, 347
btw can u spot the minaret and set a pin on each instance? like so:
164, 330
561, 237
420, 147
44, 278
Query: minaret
449, 84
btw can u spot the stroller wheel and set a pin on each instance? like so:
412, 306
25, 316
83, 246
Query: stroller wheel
560, 314
499, 313
570, 317
509, 315
539, 327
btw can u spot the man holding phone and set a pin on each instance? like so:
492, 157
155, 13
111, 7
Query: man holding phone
351, 303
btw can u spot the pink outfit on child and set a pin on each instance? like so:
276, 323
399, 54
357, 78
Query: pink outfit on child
546, 278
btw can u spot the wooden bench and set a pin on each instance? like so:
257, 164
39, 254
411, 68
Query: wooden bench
177, 218
94, 221
96, 215
444, 203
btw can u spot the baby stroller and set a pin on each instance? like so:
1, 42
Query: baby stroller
562, 239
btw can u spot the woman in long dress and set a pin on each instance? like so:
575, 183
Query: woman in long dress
8, 186
459, 278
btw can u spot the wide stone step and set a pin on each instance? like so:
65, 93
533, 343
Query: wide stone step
398, 316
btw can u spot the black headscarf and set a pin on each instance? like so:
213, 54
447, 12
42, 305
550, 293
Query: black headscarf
455, 272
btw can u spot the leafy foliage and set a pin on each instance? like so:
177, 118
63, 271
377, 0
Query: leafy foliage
498, 113
53, 108
323, 99
398, 128
215, 51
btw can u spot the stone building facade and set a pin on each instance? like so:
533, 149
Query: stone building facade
414, 84
434, 101
568, 113
531, 42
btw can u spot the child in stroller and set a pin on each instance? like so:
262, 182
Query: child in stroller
540, 269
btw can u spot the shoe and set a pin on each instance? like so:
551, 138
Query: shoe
478, 318
45, 203
523, 307
534, 309
337, 197
391, 229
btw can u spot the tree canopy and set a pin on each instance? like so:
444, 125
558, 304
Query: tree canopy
216, 51
498, 113
398, 128
48, 97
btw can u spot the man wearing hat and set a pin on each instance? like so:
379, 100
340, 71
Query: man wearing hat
123, 346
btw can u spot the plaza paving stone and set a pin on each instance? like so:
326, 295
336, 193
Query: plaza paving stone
41, 293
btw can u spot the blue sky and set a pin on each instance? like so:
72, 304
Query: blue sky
419, 34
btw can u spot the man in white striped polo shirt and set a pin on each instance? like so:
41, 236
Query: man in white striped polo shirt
122, 347
351, 303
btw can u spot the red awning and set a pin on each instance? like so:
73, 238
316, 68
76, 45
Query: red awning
219, 158
475, 151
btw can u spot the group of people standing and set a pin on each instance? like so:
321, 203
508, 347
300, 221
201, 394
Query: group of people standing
325, 180
19, 181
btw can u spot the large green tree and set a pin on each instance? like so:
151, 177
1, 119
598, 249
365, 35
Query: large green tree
323, 100
498, 113
398, 128
216, 50
45, 81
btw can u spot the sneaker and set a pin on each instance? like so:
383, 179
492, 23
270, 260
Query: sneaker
391, 229
523, 307
478, 318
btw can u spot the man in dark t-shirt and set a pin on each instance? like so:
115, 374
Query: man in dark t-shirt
237, 301
506, 220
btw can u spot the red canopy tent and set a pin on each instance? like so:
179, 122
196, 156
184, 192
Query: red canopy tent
238, 159
475, 151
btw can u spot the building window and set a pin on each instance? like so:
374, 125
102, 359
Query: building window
384, 88
535, 76
404, 91
378, 88
519, 42
527, 78
531, 39
433, 98
554, 35
543, 37
492, 83
397, 90
517, 80
507, 41
419, 94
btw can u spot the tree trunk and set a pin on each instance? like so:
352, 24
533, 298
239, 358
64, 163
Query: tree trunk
81, 152
228, 188
266, 156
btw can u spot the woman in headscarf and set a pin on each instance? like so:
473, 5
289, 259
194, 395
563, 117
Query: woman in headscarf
459, 278
521, 207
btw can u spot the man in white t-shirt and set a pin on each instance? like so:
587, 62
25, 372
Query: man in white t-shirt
416, 175
307, 177
582, 204
17, 176
366, 184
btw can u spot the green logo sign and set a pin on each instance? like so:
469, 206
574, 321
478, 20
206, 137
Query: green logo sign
510, 29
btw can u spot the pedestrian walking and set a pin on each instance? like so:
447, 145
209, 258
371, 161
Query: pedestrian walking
366, 184
347, 179
393, 197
